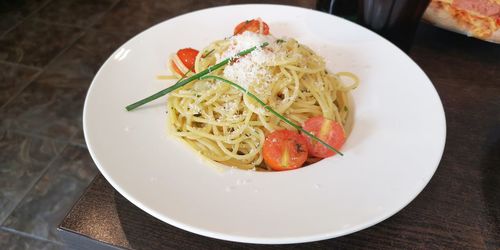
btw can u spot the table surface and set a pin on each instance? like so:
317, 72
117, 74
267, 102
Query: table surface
459, 208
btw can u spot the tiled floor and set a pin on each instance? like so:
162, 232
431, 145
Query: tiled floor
49, 53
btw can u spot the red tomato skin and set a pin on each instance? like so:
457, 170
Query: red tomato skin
274, 148
252, 26
176, 69
188, 57
334, 136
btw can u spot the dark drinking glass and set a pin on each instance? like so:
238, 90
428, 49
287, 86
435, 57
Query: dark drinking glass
396, 20
344, 8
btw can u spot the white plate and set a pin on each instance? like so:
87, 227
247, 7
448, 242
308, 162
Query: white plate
394, 148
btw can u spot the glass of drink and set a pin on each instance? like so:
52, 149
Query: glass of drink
396, 20
345, 8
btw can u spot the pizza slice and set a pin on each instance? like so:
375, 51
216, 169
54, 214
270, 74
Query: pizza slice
477, 18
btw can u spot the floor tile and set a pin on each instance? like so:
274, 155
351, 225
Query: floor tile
78, 65
12, 12
79, 13
44, 207
13, 241
8, 21
12, 79
79, 139
48, 110
36, 43
22, 7
133, 16
23, 160
52, 104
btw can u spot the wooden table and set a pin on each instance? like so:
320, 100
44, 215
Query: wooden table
459, 209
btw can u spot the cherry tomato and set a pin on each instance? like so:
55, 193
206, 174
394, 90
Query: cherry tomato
327, 130
188, 57
176, 68
284, 150
252, 26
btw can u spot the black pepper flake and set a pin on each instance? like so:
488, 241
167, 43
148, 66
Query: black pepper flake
298, 147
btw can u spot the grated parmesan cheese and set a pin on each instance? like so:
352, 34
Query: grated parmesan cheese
251, 69
230, 107
194, 108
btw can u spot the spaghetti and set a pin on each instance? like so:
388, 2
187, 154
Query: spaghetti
229, 127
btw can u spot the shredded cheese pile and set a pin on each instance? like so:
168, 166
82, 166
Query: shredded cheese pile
251, 69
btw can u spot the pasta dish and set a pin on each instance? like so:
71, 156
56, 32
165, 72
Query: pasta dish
283, 91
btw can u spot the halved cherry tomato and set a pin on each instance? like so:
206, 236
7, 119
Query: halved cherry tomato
188, 57
176, 68
252, 26
284, 150
327, 130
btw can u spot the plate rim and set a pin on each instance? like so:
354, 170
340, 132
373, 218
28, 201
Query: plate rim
246, 239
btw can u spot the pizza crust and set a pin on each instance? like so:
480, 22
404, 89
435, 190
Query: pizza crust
441, 18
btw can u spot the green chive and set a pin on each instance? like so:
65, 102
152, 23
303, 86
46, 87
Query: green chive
191, 78
208, 53
272, 111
